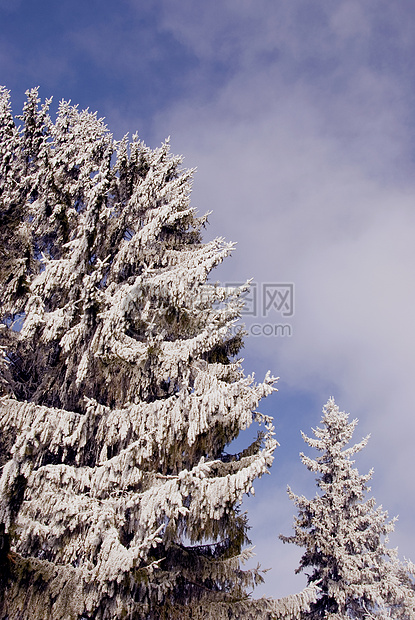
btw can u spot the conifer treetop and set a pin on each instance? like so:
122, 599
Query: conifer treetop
121, 386
345, 535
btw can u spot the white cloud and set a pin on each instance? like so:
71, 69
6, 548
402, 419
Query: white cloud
314, 181
349, 20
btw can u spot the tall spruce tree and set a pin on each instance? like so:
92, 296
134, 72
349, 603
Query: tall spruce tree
120, 386
345, 535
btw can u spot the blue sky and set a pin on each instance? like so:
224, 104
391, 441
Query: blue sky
299, 117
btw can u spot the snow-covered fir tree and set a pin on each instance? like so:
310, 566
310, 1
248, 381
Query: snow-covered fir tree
120, 386
345, 535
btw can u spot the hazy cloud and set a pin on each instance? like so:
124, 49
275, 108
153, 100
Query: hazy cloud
305, 158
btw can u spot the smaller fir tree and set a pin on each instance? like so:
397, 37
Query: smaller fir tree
345, 535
